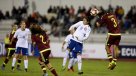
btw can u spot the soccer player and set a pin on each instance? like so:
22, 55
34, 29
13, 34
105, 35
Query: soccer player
113, 36
41, 39
22, 44
81, 33
11, 49
64, 48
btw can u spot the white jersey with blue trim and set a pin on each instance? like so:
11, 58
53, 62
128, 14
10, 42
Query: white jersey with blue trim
22, 36
82, 31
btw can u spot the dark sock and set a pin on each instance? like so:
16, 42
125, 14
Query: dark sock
18, 62
110, 57
26, 69
5, 62
12, 68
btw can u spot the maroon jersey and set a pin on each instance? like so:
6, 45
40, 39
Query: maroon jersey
41, 40
13, 45
110, 20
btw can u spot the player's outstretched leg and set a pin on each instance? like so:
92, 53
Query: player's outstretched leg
53, 71
13, 63
79, 59
65, 60
4, 63
43, 68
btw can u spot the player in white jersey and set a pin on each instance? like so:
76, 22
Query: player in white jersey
81, 33
64, 48
22, 44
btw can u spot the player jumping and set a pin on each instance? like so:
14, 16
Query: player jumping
76, 43
113, 36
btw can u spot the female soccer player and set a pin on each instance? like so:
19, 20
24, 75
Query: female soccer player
41, 39
81, 33
114, 35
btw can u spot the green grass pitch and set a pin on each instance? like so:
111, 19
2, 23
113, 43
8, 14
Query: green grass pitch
90, 68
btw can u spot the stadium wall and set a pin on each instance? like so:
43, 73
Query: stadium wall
43, 5
90, 50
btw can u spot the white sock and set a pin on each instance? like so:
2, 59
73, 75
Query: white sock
65, 58
13, 62
74, 62
71, 60
26, 63
64, 61
79, 59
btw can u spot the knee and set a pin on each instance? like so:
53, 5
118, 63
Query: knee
46, 61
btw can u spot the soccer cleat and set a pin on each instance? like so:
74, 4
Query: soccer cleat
63, 68
72, 68
2, 67
112, 65
80, 72
18, 68
12, 69
25, 70
45, 74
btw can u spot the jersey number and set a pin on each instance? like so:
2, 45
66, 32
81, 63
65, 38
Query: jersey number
44, 42
114, 21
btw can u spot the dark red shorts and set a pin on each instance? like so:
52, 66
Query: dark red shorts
113, 40
6, 45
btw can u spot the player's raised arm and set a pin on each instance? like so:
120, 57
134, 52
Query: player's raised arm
72, 28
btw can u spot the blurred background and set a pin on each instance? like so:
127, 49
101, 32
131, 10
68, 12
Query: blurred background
56, 16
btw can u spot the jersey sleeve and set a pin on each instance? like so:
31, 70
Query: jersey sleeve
75, 25
28, 31
67, 38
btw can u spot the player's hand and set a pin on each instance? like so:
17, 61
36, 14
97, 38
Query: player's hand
97, 24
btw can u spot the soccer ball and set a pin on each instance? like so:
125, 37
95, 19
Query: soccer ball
94, 11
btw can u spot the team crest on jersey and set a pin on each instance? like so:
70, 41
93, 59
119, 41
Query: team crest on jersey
81, 28
85, 28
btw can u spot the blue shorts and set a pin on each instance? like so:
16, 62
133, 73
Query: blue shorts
75, 46
73, 54
20, 50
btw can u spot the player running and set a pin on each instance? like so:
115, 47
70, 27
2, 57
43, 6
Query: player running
76, 43
41, 39
113, 36
22, 44
11, 49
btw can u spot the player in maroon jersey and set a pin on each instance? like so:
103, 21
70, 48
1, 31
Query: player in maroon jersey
113, 37
11, 49
41, 39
